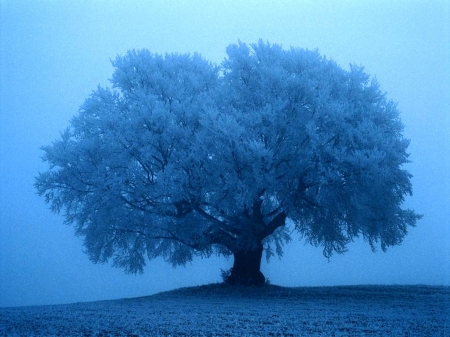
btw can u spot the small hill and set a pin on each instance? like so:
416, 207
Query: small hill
223, 310
269, 291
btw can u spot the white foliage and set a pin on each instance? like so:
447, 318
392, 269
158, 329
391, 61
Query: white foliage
183, 157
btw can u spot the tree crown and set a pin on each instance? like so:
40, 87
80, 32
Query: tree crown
182, 157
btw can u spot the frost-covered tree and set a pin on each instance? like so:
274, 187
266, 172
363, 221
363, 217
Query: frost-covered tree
183, 158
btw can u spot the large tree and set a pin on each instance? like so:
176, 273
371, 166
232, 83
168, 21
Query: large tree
183, 158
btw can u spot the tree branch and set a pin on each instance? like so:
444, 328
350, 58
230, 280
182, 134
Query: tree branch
278, 221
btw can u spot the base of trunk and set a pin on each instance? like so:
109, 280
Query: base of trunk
246, 268
256, 279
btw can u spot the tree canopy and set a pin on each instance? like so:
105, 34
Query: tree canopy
182, 157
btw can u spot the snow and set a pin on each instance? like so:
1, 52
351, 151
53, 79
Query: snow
219, 310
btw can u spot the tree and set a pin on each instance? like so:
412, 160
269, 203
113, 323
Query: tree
184, 158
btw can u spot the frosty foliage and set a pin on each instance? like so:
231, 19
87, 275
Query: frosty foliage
182, 158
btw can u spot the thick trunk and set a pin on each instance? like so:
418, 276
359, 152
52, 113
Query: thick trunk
246, 268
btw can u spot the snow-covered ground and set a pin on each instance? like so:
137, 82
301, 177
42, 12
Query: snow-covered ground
218, 310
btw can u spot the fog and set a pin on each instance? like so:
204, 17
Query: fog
53, 54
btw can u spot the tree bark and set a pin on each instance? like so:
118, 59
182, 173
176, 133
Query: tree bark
246, 267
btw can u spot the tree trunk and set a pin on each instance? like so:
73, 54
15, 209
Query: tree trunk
246, 268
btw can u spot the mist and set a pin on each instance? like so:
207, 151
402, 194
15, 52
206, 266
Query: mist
54, 54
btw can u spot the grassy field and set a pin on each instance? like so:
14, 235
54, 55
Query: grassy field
221, 310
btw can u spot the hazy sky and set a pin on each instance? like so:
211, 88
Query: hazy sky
54, 53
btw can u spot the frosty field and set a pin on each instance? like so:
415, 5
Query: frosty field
219, 310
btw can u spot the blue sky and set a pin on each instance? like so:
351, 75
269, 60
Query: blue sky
54, 53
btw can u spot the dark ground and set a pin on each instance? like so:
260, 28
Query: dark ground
222, 310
